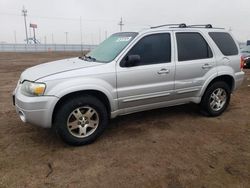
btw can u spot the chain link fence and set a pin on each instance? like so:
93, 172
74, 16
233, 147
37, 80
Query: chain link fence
44, 47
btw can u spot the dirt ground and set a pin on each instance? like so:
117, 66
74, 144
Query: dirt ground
173, 147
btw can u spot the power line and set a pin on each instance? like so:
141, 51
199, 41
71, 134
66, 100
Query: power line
61, 18
77, 19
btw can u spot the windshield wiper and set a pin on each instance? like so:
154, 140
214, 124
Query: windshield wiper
87, 58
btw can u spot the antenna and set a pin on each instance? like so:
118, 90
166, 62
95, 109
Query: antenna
24, 11
121, 24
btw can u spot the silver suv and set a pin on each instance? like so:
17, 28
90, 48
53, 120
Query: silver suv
129, 72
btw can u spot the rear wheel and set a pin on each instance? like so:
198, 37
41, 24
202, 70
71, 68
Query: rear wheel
216, 98
81, 120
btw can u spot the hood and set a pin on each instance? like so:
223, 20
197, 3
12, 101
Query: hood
55, 67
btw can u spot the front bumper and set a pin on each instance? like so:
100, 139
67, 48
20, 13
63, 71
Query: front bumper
35, 110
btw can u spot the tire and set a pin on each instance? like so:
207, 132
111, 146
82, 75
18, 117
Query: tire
81, 120
212, 102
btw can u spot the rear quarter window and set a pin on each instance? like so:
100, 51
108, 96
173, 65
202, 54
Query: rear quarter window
225, 43
192, 46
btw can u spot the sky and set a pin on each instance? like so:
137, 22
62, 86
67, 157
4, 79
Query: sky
97, 19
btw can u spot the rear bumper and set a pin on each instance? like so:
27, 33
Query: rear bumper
35, 110
239, 77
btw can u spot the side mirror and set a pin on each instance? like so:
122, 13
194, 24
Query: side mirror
132, 60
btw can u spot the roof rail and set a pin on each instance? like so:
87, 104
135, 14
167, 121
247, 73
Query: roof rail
207, 26
182, 25
201, 25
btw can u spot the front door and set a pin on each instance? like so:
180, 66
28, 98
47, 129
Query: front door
151, 80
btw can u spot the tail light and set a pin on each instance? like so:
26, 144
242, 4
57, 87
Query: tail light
242, 63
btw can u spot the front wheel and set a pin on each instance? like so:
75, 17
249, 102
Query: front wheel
81, 120
216, 98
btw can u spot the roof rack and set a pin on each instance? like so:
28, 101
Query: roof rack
207, 26
182, 25
201, 26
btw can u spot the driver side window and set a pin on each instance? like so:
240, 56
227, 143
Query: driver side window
152, 49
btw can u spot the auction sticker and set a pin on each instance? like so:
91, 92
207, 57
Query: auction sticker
123, 39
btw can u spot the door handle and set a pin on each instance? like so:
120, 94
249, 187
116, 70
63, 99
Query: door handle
163, 71
207, 66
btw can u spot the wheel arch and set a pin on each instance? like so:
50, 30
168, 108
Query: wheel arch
229, 79
98, 94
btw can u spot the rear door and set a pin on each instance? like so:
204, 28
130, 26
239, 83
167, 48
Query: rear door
193, 62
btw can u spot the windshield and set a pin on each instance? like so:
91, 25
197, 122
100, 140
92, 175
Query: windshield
111, 47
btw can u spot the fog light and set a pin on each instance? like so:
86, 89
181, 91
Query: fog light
22, 116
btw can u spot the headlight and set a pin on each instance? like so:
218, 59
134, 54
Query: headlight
33, 88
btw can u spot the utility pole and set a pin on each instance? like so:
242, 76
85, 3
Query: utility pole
24, 11
52, 38
66, 35
45, 43
121, 24
81, 33
92, 39
15, 40
30, 33
15, 36
106, 34
53, 42
100, 37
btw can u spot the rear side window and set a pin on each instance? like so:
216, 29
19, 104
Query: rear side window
225, 43
192, 46
153, 49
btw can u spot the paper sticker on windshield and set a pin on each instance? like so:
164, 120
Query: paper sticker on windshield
123, 39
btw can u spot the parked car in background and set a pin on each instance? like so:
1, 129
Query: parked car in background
248, 42
130, 72
245, 54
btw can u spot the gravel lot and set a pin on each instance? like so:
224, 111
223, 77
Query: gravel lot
173, 147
